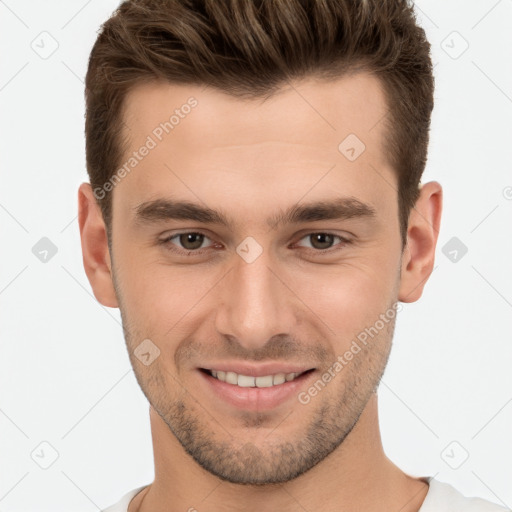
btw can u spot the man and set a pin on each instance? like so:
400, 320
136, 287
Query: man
255, 211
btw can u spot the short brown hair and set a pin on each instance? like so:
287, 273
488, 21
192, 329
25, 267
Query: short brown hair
250, 48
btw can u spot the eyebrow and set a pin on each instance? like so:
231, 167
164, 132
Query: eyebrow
341, 208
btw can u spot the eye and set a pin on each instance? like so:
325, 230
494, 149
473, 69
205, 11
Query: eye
322, 241
190, 242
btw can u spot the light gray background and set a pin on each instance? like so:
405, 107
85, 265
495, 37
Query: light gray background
65, 377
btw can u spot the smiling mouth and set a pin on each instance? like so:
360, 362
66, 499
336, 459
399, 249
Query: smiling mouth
248, 381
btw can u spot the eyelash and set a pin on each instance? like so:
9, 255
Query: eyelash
183, 252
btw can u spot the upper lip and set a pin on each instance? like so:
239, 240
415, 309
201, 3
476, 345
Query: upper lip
259, 370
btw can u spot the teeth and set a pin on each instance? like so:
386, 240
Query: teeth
246, 381
280, 378
264, 382
231, 378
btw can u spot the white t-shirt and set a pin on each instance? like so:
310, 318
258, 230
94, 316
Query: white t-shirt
441, 497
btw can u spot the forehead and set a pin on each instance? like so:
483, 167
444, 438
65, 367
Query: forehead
203, 138
351, 104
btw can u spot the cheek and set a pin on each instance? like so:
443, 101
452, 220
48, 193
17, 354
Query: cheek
160, 297
351, 296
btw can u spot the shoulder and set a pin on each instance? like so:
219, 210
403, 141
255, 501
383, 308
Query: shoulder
122, 504
442, 497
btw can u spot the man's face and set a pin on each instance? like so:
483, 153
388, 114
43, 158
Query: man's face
295, 293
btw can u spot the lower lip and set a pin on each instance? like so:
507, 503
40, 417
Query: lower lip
256, 399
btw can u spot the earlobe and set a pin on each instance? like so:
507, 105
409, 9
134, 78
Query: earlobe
422, 233
95, 251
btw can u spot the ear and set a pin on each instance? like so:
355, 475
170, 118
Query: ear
422, 232
95, 251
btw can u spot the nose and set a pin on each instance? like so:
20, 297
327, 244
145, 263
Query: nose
255, 302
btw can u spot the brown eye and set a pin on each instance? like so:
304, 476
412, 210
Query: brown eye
185, 243
321, 240
191, 241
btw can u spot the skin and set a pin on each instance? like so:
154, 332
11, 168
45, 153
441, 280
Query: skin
250, 159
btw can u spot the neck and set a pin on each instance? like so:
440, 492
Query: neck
355, 476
